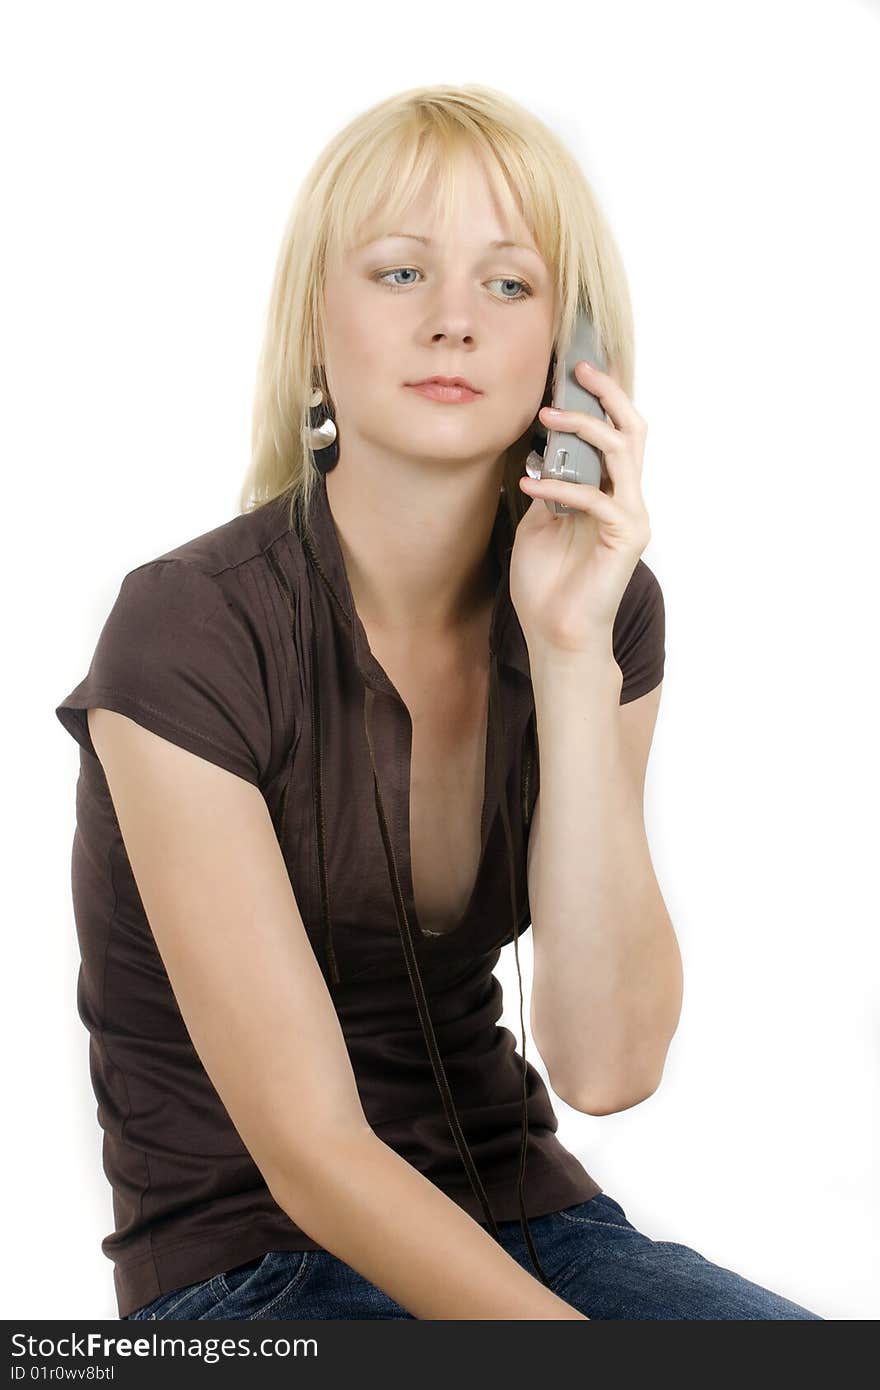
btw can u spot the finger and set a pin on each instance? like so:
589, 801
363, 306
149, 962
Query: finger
588, 427
613, 397
624, 475
581, 497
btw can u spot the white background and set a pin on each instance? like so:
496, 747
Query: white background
152, 155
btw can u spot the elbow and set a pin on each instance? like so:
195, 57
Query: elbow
592, 1096
607, 1102
311, 1170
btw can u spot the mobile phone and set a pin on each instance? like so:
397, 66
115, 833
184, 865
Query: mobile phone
566, 456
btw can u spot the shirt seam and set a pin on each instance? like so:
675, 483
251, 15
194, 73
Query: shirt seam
140, 703
146, 1185
214, 573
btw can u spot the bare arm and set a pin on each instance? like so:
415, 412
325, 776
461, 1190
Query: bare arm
218, 898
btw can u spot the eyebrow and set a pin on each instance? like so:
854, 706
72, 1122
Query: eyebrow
426, 241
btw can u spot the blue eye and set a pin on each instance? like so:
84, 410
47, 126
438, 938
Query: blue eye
501, 279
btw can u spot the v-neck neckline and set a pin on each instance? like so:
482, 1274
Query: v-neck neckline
507, 647
488, 789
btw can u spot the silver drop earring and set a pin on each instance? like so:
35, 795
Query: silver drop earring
323, 435
535, 457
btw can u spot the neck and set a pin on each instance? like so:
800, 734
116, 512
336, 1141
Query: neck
417, 548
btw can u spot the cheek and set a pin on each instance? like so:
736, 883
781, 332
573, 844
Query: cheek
356, 353
527, 355
529, 375
371, 335
351, 316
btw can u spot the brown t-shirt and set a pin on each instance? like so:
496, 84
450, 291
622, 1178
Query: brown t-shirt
244, 647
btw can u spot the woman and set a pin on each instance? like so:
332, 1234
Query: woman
308, 815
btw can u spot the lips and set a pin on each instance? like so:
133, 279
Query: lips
447, 381
439, 391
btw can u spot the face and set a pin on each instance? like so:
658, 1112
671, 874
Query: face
398, 311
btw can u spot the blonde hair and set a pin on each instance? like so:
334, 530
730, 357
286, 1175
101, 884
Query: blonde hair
382, 160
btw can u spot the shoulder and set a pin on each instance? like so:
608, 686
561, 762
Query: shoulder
252, 564
199, 648
639, 635
643, 585
642, 600
249, 539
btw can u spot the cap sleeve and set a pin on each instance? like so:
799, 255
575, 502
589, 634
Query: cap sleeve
639, 635
179, 658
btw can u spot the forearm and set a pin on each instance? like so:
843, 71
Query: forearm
607, 975
365, 1204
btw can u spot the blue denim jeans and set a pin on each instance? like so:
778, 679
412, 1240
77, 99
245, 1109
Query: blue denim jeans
593, 1258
